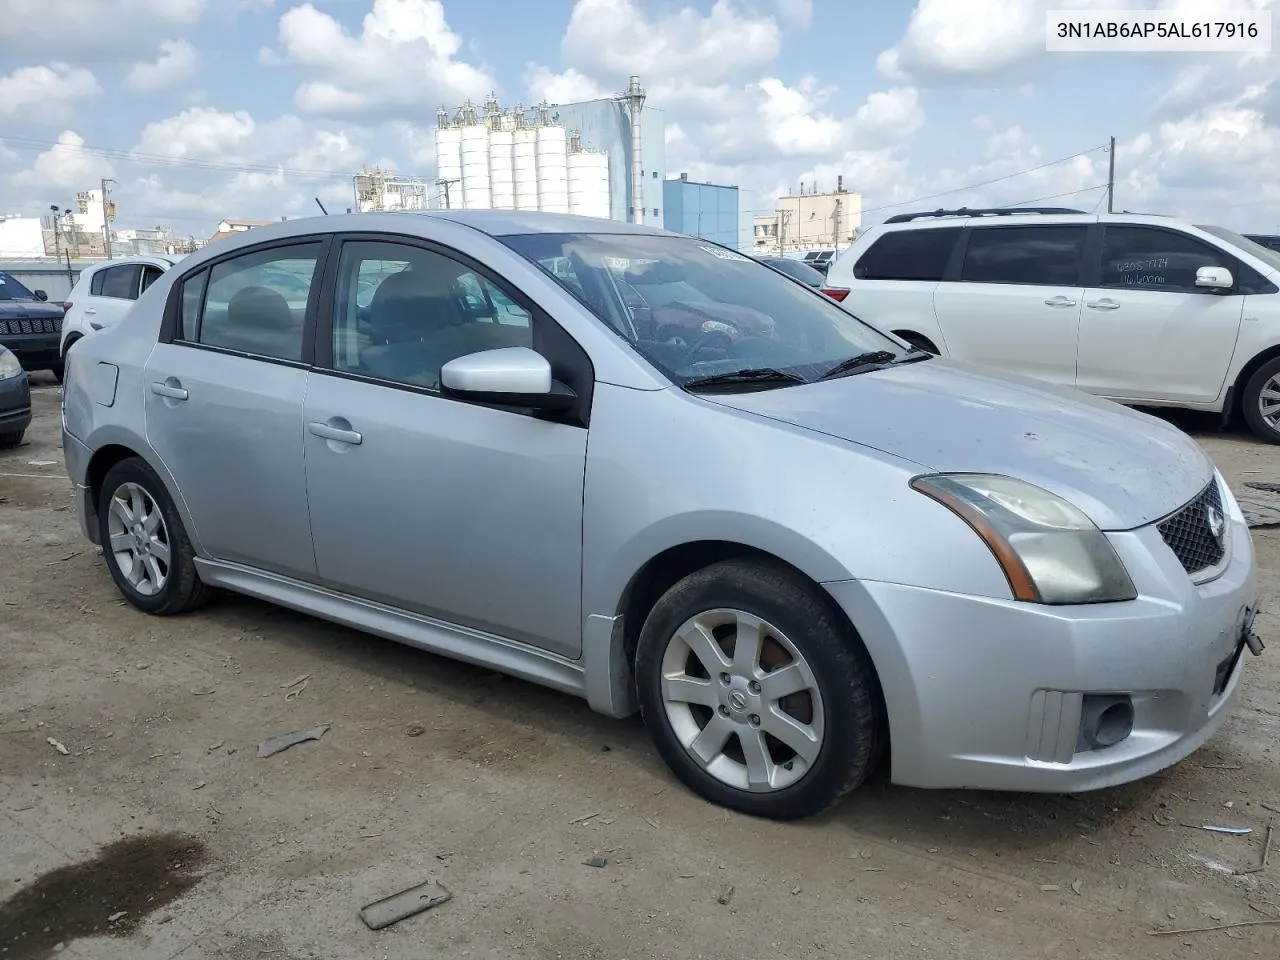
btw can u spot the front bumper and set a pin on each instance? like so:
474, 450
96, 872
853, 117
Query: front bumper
36, 351
15, 404
986, 693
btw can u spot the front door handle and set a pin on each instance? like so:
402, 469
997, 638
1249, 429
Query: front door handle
330, 432
170, 389
1060, 301
1105, 304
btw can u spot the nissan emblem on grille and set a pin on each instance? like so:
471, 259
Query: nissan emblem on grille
1197, 533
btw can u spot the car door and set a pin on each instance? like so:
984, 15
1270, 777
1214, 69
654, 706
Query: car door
112, 292
224, 403
1147, 331
1015, 304
467, 513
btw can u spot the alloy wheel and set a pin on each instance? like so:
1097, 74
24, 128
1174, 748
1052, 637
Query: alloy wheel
139, 539
742, 700
1269, 402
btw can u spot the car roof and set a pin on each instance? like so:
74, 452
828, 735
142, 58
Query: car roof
505, 223
168, 258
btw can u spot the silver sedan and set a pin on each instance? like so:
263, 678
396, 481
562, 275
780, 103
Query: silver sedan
647, 470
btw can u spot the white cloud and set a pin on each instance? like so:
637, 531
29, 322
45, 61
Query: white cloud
48, 93
404, 57
62, 168
177, 63
201, 133
106, 29
567, 87
614, 39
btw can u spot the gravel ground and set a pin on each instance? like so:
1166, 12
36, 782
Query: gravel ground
159, 832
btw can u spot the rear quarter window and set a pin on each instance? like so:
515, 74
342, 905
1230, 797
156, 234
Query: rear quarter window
908, 255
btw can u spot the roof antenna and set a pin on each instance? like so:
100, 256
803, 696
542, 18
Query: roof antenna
321, 206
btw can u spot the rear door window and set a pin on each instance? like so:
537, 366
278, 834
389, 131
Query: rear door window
120, 282
908, 255
1044, 255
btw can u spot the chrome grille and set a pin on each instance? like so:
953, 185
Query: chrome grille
1188, 533
38, 325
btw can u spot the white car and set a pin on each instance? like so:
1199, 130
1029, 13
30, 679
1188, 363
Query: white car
1141, 309
105, 292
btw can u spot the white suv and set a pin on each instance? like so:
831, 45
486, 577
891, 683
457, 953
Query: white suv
104, 293
1141, 309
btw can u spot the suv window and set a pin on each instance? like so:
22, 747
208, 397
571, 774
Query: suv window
1144, 258
149, 276
908, 255
403, 312
1045, 255
255, 303
119, 282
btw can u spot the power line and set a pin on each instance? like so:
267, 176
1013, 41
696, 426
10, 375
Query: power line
1054, 196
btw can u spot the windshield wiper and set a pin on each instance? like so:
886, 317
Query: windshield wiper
758, 375
873, 358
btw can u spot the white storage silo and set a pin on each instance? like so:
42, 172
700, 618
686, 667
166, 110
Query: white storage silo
502, 185
525, 168
553, 169
475, 168
449, 162
589, 183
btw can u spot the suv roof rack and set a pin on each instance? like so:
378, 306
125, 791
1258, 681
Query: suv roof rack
978, 212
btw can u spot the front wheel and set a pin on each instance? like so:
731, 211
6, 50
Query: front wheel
58, 369
144, 542
1261, 401
756, 693
12, 439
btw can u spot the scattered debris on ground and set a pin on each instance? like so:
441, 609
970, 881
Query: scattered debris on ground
284, 741
406, 903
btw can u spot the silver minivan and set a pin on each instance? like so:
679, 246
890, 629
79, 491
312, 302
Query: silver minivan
794, 543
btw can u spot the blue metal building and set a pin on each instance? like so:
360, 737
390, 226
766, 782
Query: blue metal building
606, 125
706, 210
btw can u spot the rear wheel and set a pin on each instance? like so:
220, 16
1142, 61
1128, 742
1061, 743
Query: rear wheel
756, 693
144, 542
57, 370
11, 439
1261, 401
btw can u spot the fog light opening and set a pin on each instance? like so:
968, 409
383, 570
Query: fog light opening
1104, 721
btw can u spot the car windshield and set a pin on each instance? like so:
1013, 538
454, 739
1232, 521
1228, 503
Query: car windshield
696, 310
1270, 257
11, 289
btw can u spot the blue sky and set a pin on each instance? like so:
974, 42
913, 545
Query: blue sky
203, 109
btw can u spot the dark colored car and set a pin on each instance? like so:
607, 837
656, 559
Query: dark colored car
796, 269
30, 326
1265, 240
15, 400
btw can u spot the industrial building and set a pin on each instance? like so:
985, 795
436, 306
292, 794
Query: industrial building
377, 190
706, 210
809, 221
601, 158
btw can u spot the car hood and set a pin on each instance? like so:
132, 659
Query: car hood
1122, 468
29, 309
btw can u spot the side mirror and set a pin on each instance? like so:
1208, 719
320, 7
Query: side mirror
41, 295
1215, 278
508, 376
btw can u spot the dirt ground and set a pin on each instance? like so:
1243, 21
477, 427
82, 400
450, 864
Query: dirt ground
160, 833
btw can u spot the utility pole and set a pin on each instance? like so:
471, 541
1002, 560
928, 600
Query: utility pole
445, 184
835, 229
108, 214
1111, 176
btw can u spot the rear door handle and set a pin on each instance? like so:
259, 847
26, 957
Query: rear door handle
173, 391
1060, 301
1105, 304
90, 310
329, 432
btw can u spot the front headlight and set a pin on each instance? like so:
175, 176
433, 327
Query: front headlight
9, 365
1049, 550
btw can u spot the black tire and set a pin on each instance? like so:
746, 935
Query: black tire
71, 342
183, 589
916, 340
854, 726
12, 439
58, 369
1251, 401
